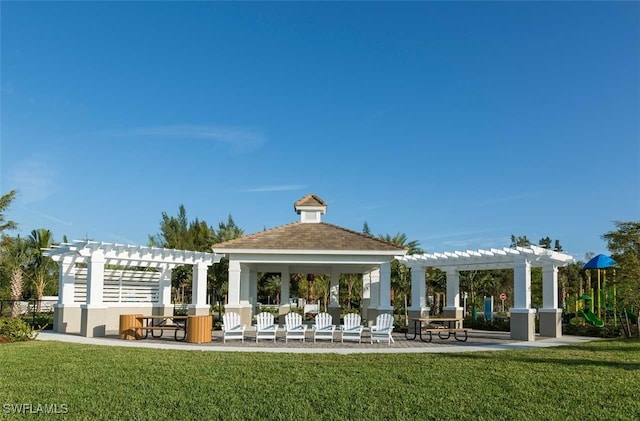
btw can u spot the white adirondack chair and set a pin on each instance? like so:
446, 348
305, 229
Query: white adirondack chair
265, 327
323, 329
351, 328
231, 327
382, 329
294, 329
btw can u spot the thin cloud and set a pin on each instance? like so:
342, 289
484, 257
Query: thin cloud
52, 218
286, 187
505, 199
34, 178
240, 140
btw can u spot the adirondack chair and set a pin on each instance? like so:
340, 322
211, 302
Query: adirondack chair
351, 328
231, 327
265, 327
293, 327
323, 329
382, 329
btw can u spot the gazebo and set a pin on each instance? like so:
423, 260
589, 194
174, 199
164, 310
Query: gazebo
100, 281
309, 246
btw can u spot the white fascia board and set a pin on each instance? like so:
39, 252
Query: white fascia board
391, 253
309, 259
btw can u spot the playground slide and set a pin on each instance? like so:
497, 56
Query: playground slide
591, 318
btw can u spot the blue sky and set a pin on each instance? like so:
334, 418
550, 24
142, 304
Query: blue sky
458, 124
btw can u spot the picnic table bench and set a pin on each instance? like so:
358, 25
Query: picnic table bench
439, 325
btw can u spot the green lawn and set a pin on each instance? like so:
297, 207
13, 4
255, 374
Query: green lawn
594, 381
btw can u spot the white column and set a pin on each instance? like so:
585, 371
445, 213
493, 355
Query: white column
522, 284
418, 288
67, 281
164, 287
245, 284
234, 283
374, 290
95, 279
199, 285
385, 286
453, 288
550, 287
285, 285
253, 287
365, 304
334, 289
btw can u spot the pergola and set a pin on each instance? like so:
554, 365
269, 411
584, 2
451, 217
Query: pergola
520, 259
92, 296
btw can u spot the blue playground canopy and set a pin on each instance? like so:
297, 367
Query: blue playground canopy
600, 262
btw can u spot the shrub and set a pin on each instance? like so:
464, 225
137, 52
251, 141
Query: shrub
14, 329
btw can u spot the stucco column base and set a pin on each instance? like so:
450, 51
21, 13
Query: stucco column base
375, 312
454, 313
245, 312
550, 322
198, 310
523, 324
417, 313
335, 315
93, 320
283, 310
66, 318
162, 310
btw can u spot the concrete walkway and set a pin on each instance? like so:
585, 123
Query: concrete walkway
478, 341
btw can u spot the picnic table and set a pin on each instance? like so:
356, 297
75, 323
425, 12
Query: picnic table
439, 325
160, 324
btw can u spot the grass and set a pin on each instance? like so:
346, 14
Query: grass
597, 380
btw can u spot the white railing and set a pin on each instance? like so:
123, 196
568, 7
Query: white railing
121, 286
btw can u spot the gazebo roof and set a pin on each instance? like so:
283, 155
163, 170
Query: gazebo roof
310, 200
300, 236
489, 259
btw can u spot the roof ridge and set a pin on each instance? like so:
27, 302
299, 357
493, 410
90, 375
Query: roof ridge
255, 234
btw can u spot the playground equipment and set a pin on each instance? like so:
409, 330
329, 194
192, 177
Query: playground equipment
587, 313
597, 300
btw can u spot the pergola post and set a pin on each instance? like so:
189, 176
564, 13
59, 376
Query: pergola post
418, 308
67, 313
253, 290
334, 295
522, 315
453, 309
550, 314
199, 306
93, 318
164, 307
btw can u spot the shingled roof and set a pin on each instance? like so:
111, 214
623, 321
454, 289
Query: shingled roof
304, 236
310, 200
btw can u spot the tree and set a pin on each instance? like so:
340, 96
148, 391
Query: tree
5, 201
624, 244
42, 267
401, 240
15, 257
366, 230
519, 241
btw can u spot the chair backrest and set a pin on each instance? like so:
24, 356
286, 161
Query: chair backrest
230, 320
292, 320
323, 320
264, 319
351, 320
384, 321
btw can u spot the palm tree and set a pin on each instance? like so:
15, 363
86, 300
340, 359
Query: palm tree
400, 285
41, 265
14, 258
5, 201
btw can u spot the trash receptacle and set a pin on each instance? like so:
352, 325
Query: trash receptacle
199, 329
130, 326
